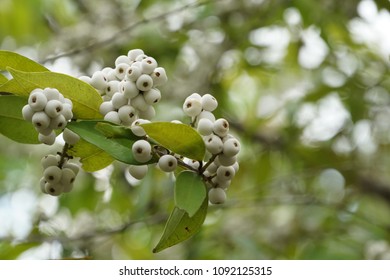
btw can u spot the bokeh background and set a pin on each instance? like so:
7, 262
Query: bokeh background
305, 86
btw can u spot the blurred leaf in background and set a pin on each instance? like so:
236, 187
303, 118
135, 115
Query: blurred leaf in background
304, 85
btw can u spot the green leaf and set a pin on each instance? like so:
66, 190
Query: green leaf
19, 62
12, 86
3, 79
12, 124
86, 100
180, 227
190, 192
91, 157
179, 138
118, 148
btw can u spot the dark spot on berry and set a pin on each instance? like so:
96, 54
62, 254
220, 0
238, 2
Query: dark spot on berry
157, 74
39, 124
225, 125
149, 62
189, 105
58, 109
139, 150
227, 173
131, 115
121, 70
34, 99
51, 178
170, 163
145, 84
52, 190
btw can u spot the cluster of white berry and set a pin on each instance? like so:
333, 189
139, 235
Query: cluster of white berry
129, 90
48, 110
58, 175
222, 146
221, 164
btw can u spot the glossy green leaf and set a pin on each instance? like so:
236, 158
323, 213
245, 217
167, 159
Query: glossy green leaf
86, 100
190, 192
179, 138
12, 124
118, 148
91, 157
19, 62
180, 226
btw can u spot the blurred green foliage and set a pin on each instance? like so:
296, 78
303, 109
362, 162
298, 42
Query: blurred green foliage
305, 86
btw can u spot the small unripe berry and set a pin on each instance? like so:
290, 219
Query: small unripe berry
144, 82
209, 103
142, 151
37, 100
138, 171
167, 163
41, 120
52, 174
53, 108
217, 196
221, 127
70, 137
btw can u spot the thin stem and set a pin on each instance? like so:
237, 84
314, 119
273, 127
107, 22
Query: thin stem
119, 34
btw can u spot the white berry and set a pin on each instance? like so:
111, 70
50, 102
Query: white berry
167, 163
142, 151
138, 171
209, 103
217, 196
52, 174
37, 100
192, 107
70, 137
144, 82
221, 127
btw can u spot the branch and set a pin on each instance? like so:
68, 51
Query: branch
111, 39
